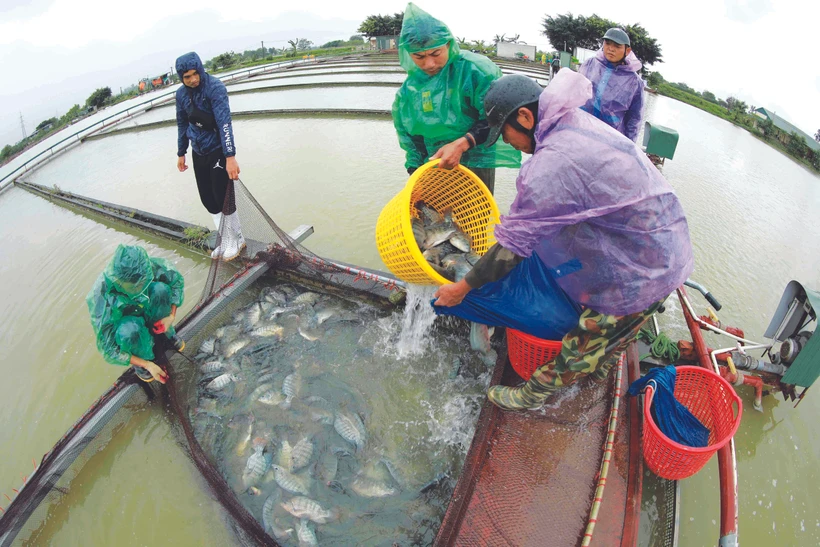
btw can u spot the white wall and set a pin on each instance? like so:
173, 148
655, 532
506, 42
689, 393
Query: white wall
508, 50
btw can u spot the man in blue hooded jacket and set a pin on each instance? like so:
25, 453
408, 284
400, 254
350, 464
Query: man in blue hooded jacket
617, 89
204, 119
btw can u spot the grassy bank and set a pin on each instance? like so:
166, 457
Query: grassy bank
740, 119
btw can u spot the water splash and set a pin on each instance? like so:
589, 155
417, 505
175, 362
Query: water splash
417, 321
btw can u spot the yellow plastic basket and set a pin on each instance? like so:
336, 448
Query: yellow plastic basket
474, 212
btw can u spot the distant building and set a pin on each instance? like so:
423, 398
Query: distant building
512, 50
383, 42
785, 129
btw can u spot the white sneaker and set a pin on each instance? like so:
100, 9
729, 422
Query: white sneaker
233, 240
218, 251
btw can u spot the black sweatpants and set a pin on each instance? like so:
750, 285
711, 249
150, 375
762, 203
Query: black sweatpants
213, 182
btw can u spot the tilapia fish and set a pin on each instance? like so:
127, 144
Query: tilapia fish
292, 483
306, 508
269, 329
221, 382
351, 429
291, 387
301, 454
207, 346
372, 488
246, 438
306, 535
306, 298
271, 526
428, 214
236, 345
258, 463
438, 234
443, 240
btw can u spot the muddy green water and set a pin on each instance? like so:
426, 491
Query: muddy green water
750, 212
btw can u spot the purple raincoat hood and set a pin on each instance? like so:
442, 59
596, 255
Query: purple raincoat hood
595, 210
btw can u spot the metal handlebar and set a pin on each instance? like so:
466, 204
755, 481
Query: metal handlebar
705, 292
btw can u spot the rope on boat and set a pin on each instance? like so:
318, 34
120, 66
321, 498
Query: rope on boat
660, 346
609, 446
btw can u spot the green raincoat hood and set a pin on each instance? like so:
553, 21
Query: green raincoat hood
421, 31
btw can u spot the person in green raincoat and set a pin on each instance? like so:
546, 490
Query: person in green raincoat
135, 296
438, 111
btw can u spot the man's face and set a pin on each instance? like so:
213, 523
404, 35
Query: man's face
615, 53
191, 78
514, 137
431, 61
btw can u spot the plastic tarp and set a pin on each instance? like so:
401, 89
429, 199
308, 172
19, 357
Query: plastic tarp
527, 299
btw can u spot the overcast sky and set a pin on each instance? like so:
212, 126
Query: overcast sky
54, 53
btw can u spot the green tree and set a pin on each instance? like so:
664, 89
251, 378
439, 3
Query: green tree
709, 96
43, 124
225, 60
814, 158
568, 32
817, 136
6, 152
382, 25
356, 38
72, 113
304, 44
655, 79
99, 97
735, 103
294, 44
797, 145
645, 48
334, 43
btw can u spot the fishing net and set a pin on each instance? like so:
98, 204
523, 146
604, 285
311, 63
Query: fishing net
528, 478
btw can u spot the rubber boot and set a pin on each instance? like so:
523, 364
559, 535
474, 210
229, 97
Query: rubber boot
143, 375
233, 240
177, 342
217, 252
528, 396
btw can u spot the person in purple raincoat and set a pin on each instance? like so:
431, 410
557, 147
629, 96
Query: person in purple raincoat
617, 88
596, 212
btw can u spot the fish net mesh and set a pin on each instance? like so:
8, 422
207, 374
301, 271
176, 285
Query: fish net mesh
528, 479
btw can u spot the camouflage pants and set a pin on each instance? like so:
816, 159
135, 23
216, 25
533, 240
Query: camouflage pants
593, 347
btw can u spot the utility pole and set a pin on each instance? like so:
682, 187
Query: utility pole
263, 45
22, 125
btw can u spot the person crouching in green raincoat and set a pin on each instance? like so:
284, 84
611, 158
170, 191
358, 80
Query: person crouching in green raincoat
135, 296
438, 111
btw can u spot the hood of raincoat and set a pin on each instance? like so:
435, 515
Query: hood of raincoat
130, 269
629, 64
596, 211
421, 31
190, 61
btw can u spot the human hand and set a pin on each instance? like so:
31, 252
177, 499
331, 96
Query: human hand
159, 375
232, 167
451, 294
450, 154
181, 164
163, 324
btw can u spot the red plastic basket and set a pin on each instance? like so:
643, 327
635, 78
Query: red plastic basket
709, 397
528, 352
